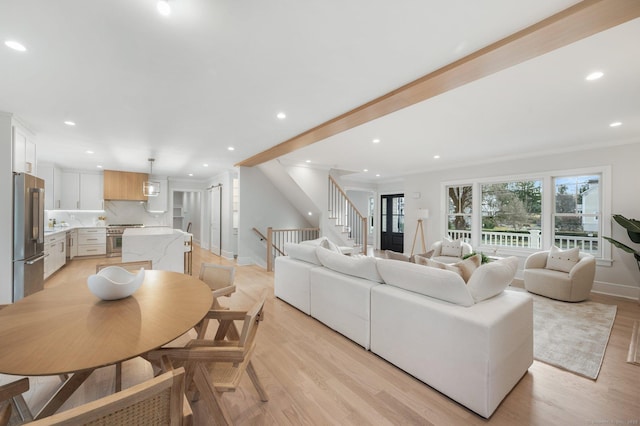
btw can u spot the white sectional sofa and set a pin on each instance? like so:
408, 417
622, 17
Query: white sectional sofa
471, 341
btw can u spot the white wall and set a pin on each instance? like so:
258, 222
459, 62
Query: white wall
6, 210
622, 278
261, 206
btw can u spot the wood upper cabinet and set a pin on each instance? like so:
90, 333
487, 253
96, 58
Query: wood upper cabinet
124, 185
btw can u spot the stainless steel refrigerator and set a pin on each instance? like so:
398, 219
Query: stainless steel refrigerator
28, 235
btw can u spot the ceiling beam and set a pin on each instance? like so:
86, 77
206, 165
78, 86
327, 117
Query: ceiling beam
582, 20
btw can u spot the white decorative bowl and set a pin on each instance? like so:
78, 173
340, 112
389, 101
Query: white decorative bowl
114, 282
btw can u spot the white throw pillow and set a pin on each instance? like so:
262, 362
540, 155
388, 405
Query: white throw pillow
562, 260
432, 282
492, 278
306, 253
362, 267
451, 248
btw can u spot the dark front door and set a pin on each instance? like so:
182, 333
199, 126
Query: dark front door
392, 222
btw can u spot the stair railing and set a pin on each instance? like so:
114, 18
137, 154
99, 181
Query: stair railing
342, 209
276, 239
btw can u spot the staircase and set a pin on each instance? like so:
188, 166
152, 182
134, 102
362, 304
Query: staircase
349, 222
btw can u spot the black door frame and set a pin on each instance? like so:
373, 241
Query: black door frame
390, 240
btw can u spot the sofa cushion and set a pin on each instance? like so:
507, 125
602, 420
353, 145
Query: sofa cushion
322, 242
451, 248
362, 267
464, 267
304, 252
426, 255
562, 260
492, 278
394, 255
437, 283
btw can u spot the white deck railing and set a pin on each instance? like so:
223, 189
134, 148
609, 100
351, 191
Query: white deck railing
531, 240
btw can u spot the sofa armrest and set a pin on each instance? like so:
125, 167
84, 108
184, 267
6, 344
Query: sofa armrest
466, 248
536, 260
584, 270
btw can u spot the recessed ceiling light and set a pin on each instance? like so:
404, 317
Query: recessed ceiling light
376, 141
365, 170
377, 174
307, 161
281, 116
70, 123
436, 156
15, 45
594, 75
615, 124
89, 151
190, 174
230, 148
205, 165
310, 214
99, 166
163, 8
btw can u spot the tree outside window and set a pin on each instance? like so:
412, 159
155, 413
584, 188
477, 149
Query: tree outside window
511, 213
460, 211
577, 212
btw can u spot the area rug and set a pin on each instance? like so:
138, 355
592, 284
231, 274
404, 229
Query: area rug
634, 347
572, 336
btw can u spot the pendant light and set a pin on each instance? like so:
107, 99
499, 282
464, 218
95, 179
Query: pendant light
151, 188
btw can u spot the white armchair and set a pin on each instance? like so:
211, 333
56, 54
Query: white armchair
573, 286
448, 255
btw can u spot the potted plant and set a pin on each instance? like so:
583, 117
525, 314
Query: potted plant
633, 229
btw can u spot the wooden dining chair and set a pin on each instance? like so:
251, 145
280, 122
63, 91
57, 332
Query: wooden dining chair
220, 278
216, 366
129, 266
11, 399
159, 401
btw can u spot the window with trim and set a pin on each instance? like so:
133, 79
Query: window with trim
460, 211
577, 207
512, 213
532, 213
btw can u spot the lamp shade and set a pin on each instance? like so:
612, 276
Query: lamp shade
423, 214
151, 189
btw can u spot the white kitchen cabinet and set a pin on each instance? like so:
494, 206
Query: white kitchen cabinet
55, 251
52, 185
81, 191
70, 198
72, 241
91, 190
159, 203
24, 150
92, 241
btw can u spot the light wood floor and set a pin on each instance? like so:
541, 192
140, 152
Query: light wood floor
315, 376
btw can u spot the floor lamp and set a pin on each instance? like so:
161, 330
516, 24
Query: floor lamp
423, 214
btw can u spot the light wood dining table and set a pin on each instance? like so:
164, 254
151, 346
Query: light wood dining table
68, 330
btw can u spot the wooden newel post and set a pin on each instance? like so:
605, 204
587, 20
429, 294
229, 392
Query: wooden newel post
269, 249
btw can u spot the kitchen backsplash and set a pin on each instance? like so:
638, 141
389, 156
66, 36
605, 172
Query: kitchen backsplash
115, 212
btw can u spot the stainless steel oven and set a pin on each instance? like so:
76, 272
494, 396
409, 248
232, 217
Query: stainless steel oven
114, 238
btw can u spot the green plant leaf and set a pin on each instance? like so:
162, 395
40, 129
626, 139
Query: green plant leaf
621, 246
628, 224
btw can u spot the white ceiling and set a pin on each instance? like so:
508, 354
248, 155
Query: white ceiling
215, 74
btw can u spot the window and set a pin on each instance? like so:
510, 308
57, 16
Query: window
512, 213
576, 213
460, 210
522, 214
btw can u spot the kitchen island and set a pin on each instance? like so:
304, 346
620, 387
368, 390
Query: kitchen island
165, 247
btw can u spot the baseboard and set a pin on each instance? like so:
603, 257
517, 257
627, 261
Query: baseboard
618, 290
227, 255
